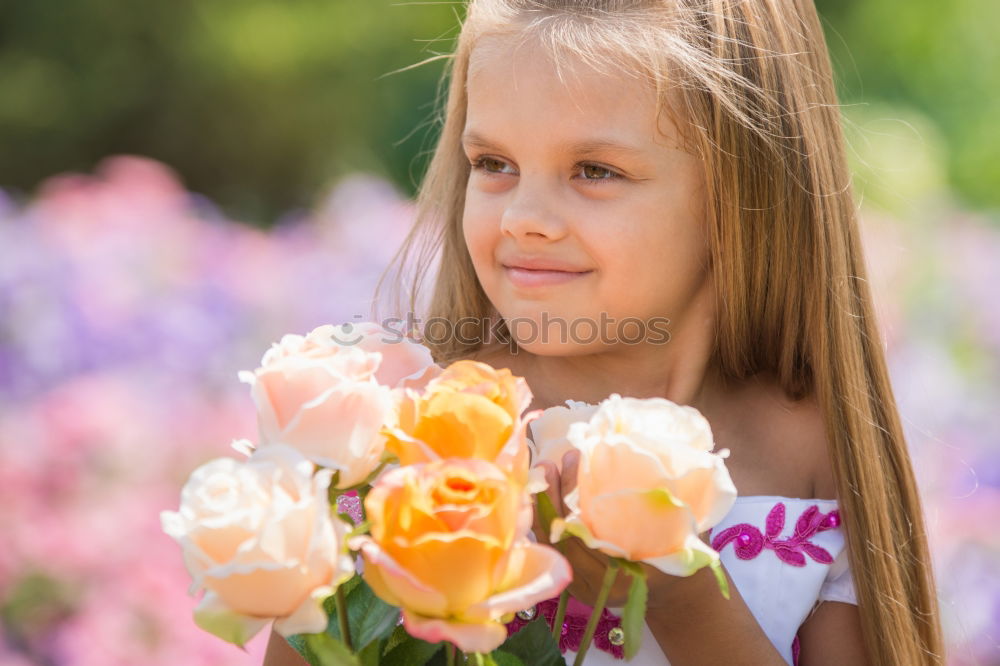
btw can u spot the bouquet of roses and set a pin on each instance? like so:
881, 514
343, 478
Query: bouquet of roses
385, 514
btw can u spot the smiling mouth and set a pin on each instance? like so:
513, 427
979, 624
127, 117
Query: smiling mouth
528, 277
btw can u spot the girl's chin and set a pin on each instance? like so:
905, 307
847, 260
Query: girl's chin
557, 349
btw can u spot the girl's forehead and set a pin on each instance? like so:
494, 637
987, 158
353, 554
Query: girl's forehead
512, 53
519, 87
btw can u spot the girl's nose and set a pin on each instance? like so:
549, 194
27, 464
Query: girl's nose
533, 210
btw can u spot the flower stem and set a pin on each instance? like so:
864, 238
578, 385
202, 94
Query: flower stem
560, 615
602, 598
450, 653
345, 627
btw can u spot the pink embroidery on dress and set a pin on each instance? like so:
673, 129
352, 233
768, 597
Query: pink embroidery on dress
350, 504
796, 648
575, 623
749, 541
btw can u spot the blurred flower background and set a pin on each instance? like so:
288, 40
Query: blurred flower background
182, 183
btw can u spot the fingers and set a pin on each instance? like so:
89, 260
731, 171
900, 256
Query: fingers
570, 467
554, 490
589, 567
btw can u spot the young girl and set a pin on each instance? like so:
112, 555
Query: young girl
650, 197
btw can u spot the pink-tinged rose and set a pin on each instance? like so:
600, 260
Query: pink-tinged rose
259, 538
405, 362
549, 430
449, 545
471, 410
321, 393
647, 462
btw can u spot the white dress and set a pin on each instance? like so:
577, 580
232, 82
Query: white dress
784, 554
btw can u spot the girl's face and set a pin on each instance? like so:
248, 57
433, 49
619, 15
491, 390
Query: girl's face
574, 175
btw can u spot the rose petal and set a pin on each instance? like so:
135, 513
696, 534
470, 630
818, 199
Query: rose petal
695, 555
615, 518
340, 430
216, 618
393, 583
469, 637
308, 618
535, 573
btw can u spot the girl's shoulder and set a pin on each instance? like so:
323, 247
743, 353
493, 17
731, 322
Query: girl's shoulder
782, 444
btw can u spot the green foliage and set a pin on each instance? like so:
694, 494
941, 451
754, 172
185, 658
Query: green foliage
370, 619
372, 624
533, 644
405, 650
324, 650
934, 61
499, 658
34, 602
634, 615
261, 104
546, 511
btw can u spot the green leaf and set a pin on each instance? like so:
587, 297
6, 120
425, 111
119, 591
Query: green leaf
371, 653
634, 615
534, 645
324, 650
546, 511
439, 658
218, 619
332, 492
720, 578
500, 658
330, 605
412, 651
359, 529
371, 619
630, 567
298, 641
397, 636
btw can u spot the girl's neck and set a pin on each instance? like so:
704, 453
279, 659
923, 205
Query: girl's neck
684, 379
681, 370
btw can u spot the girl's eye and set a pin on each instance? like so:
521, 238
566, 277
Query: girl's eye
489, 165
594, 173
596, 170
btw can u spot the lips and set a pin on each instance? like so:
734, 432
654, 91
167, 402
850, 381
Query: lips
524, 278
542, 264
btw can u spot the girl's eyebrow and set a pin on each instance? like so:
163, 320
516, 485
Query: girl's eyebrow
471, 138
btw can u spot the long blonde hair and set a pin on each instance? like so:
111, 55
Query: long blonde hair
755, 87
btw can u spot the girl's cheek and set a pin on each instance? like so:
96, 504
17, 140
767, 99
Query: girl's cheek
479, 236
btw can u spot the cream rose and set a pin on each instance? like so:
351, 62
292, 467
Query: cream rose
404, 361
548, 442
648, 484
259, 538
329, 393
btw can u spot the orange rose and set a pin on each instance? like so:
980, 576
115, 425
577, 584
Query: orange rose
471, 410
449, 545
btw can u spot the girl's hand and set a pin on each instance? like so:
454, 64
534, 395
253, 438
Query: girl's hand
688, 617
589, 565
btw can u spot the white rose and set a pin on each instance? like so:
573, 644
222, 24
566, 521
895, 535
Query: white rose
259, 537
648, 484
